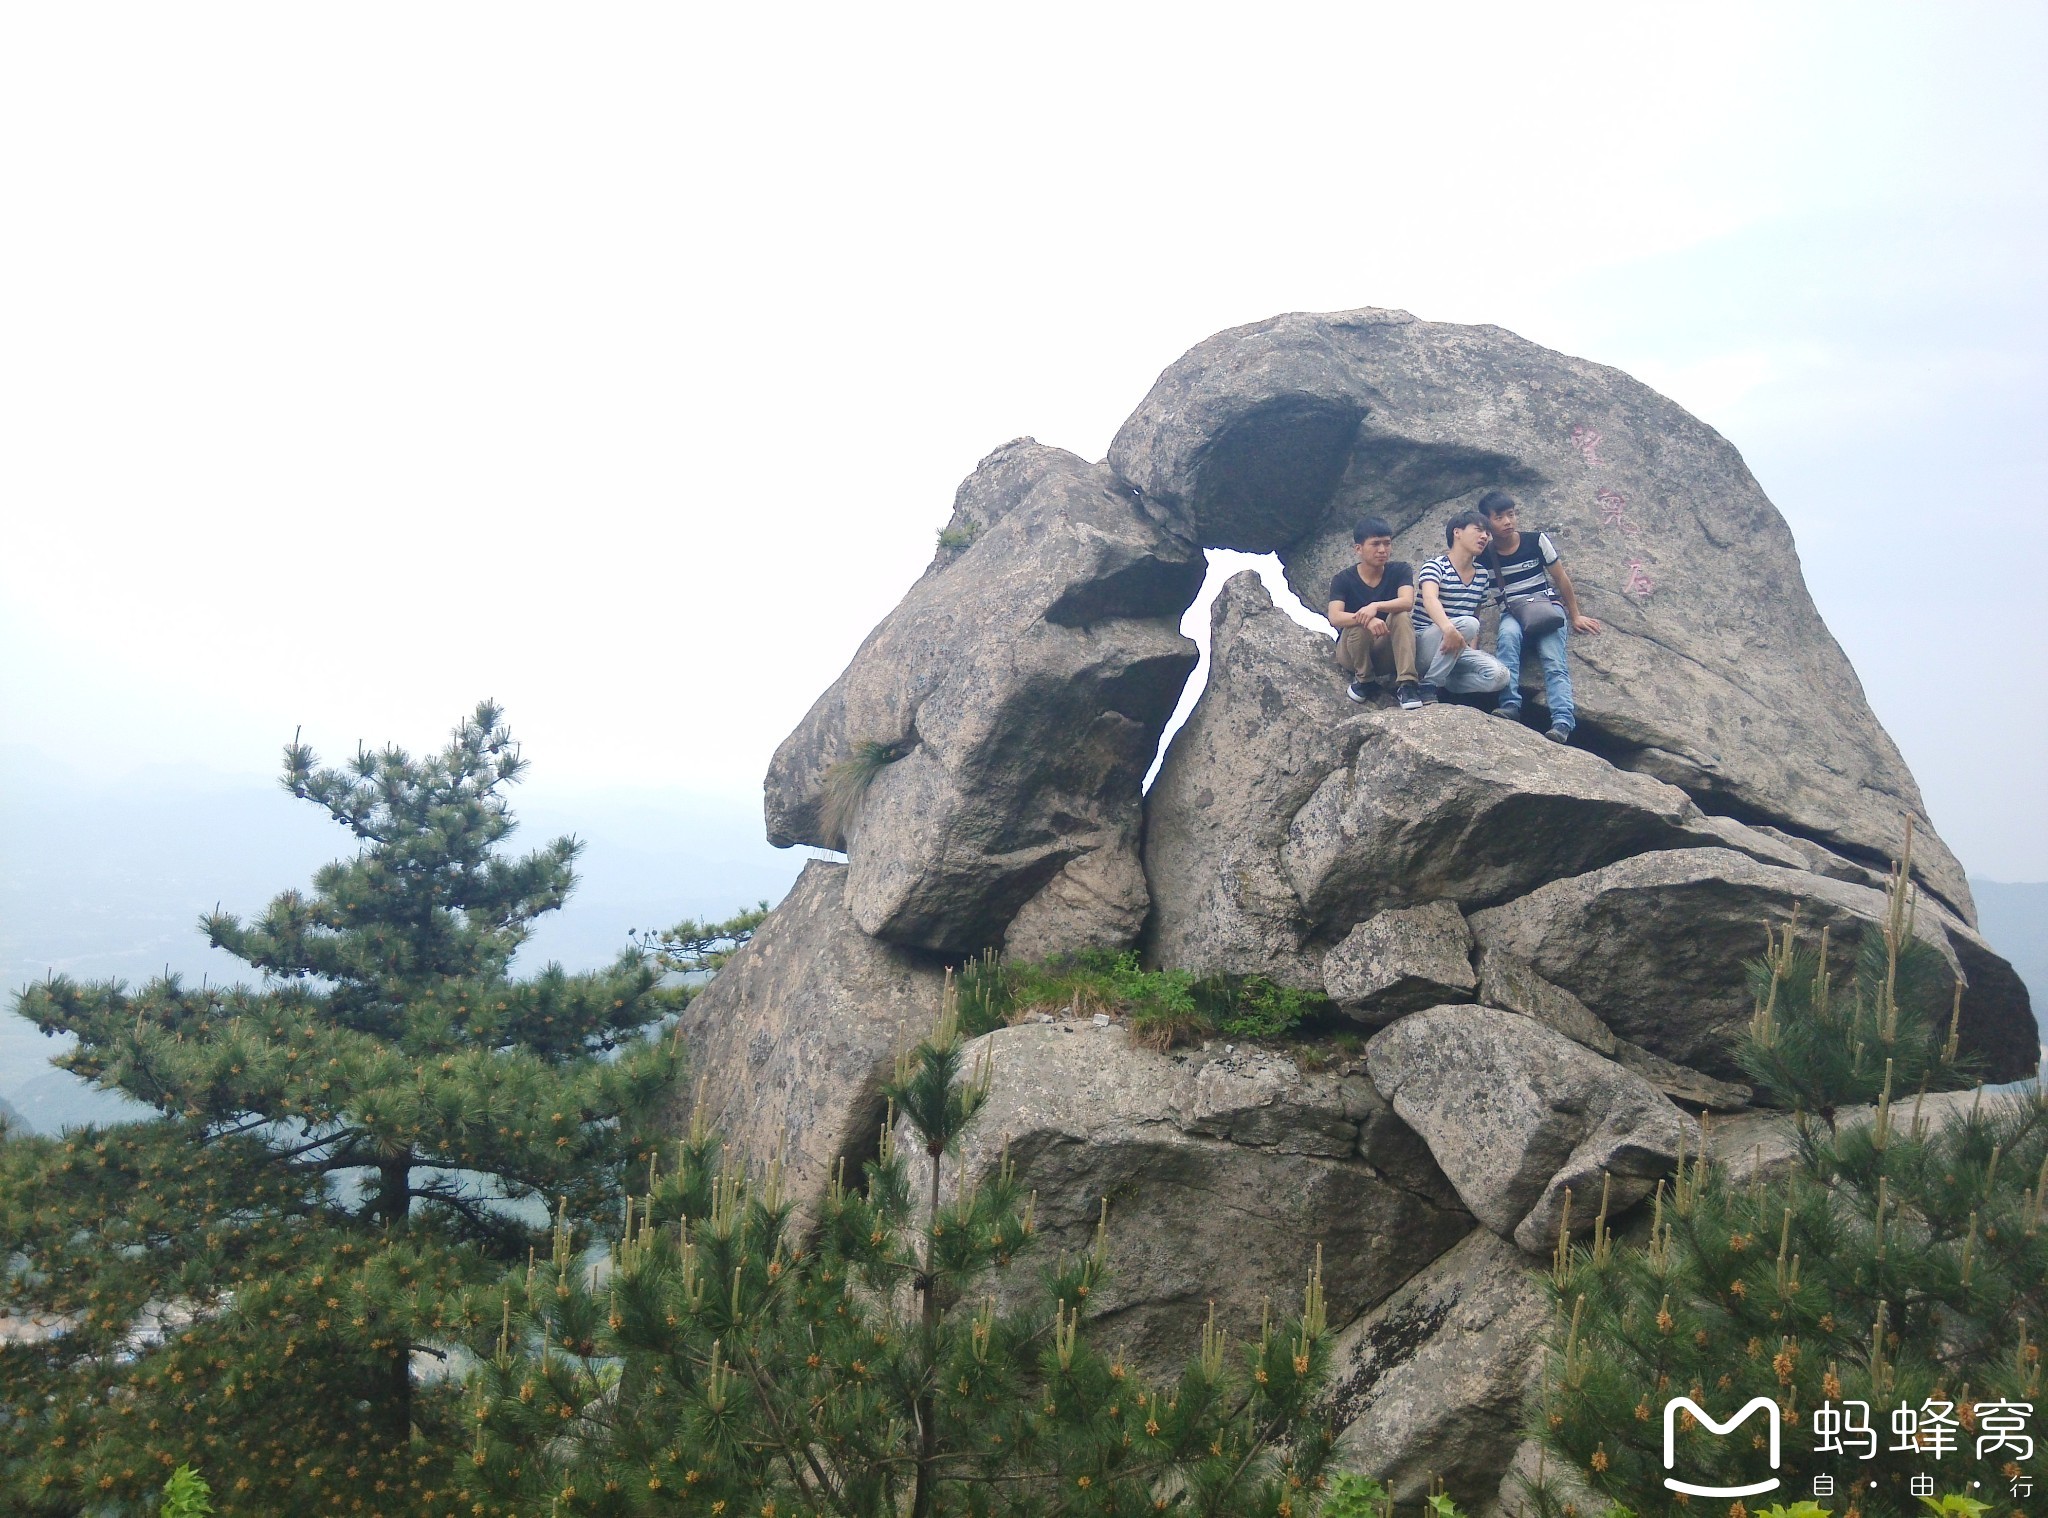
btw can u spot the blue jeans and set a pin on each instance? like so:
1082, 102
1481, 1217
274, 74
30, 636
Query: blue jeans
1552, 654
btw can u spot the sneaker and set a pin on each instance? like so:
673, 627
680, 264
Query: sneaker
1409, 694
1430, 695
1559, 735
1359, 690
1512, 713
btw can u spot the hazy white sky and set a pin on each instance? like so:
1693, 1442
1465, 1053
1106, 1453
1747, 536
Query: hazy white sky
621, 362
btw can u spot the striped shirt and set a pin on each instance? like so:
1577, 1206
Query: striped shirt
1521, 573
1460, 598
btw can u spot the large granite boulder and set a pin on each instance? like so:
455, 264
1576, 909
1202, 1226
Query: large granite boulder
1271, 726
1429, 1384
1656, 947
1511, 983
1450, 804
980, 763
1285, 815
1401, 960
790, 1043
1007, 711
1715, 671
1224, 1172
1518, 1115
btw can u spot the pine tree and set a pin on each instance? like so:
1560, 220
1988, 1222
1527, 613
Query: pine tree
725, 1362
1898, 1264
345, 1154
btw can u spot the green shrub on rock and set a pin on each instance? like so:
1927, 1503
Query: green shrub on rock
1164, 1007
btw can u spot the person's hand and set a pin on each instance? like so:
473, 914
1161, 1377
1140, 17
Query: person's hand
1454, 641
1377, 626
1585, 624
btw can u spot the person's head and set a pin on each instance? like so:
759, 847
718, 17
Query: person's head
1467, 530
1500, 511
1372, 538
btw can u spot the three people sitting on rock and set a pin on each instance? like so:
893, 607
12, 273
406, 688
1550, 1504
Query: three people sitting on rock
1391, 618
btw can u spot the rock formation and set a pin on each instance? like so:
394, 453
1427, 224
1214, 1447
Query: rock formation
1715, 672
1007, 710
1279, 1161
791, 1041
1430, 1382
1655, 946
1402, 960
1518, 1115
1545, 944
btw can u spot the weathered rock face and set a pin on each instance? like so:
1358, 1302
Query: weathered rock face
1512, 984
1517, 1115
1449, 803
793, 1038
1400, 961
1656, 945
1271, 726
1223, 1175
1554, 937
1430, 1383
1285, 814
1715, 672
1023, 682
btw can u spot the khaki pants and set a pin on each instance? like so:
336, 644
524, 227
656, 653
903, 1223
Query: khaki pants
1360, 653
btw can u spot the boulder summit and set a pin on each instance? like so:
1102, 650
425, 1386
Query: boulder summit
1543, 945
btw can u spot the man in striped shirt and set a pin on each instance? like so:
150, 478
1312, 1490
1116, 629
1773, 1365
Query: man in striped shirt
1525, 564
1449, 591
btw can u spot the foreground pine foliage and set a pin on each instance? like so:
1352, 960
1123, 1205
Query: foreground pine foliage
252, 1281
880, 1360
1898, 1264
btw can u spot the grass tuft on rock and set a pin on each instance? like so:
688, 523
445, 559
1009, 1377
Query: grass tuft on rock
1164, 1008
846, 784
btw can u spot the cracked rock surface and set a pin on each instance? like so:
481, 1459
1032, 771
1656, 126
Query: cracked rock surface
1517, 1115
1715, 672
791, 1041
1656, 947
1223, 1174
1018, 693
1512, 984
1429, 1383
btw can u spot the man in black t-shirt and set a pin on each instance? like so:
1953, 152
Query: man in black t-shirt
1369, 607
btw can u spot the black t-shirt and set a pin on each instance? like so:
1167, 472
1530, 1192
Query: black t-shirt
1349, 586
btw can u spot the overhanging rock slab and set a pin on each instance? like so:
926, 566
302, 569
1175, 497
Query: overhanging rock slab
1657, 946
1008, 710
